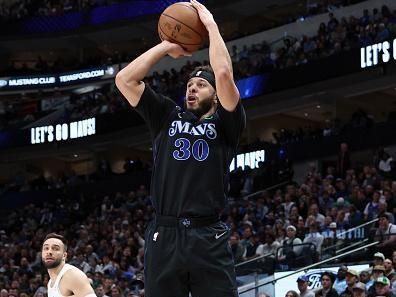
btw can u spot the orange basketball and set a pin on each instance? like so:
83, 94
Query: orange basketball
180, 23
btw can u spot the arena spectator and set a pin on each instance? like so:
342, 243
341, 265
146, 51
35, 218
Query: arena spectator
382, 287
359, 290
248, 241
314, 211
238, 251
329, 233
378, 259
383, 209
389, 271
327, 290
386, 233
292, 293
371, 210
269, 248
365, 277
340, 283
384, 165
352, 277
313, 236
302, 284
100, 291
291, 248
377, 271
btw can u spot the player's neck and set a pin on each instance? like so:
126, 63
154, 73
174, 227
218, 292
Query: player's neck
209, 113
53, 272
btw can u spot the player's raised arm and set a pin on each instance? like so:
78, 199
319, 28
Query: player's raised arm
129, 79
220, 60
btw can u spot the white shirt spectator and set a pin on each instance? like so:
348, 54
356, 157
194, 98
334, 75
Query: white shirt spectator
264, 249
315, 238
385, 165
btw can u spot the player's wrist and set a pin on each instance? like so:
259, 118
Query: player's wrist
168, 46
212, 27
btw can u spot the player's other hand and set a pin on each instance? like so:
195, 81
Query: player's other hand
204, 14
175, 50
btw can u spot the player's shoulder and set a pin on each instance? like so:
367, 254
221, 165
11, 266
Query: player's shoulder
73, 273
238, 111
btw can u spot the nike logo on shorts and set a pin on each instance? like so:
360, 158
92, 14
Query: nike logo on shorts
217, 236
155, 236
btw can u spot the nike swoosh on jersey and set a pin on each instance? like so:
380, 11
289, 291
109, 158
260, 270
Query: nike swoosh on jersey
217, 236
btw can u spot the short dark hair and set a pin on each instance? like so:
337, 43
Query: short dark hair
57, 236
270, 235
329, 275
292, 292
383, 215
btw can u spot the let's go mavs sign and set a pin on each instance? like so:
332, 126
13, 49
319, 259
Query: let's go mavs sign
374, 54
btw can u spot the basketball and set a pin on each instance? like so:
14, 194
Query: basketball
180, 23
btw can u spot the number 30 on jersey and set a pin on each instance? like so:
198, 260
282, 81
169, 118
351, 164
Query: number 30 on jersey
199, 150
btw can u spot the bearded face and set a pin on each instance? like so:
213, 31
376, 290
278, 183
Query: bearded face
53, 253
200, 96
51, 263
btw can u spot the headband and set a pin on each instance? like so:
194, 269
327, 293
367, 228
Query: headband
206, 75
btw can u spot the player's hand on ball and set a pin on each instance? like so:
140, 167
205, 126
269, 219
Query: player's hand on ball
204, 14
175, 50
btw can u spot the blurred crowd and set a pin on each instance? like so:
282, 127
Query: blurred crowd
360, 119
333, 37
63, 106
377, 280
15, 10
290, 226
285, 228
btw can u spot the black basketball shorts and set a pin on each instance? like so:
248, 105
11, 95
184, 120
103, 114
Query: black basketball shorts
183, 259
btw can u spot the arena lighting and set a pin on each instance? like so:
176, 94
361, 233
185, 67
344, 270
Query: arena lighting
56, 80
63, 132
381, 52
252, 86
250, 160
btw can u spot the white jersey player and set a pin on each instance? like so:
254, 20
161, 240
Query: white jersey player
65, 280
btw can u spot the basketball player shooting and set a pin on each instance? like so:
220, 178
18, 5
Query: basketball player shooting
65, 280
186, 247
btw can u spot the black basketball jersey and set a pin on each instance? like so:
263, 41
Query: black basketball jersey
191, 156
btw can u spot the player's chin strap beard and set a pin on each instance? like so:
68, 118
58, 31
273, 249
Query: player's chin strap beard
194, 115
